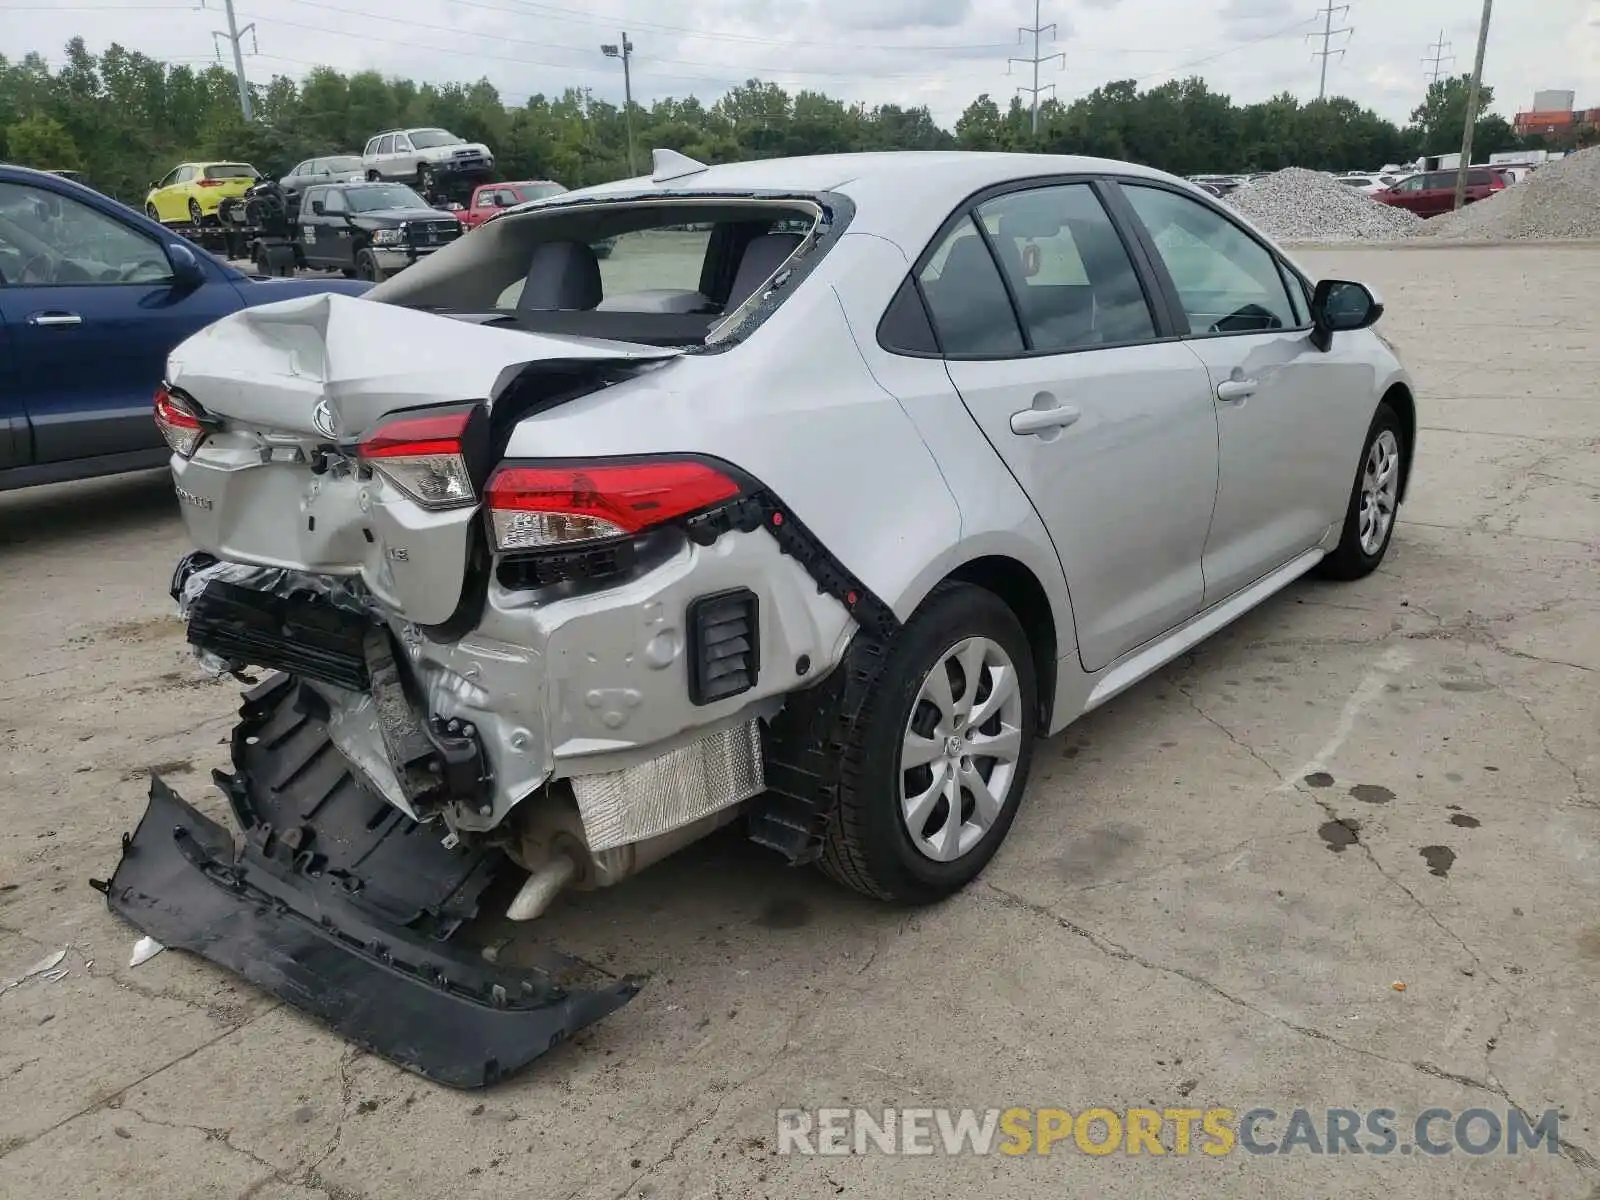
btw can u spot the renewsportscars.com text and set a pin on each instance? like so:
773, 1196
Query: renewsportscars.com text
1214, 1132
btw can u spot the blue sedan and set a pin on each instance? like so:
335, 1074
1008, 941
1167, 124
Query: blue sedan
93, 296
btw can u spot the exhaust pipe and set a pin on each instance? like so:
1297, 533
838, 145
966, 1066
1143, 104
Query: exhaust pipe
541, 888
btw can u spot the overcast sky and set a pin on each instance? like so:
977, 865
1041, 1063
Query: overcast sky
941, 53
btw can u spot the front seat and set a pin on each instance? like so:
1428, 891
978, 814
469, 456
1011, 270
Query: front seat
561, 275
762, 257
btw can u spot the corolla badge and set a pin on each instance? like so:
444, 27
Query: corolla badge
322, 419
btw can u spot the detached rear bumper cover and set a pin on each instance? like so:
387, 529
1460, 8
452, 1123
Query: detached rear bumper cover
434, 1008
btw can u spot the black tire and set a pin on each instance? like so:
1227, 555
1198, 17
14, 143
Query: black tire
1349, 560
262, 263
151, 212
195, 215
347, 272
373, 177
425, 181
367, 267
868, 847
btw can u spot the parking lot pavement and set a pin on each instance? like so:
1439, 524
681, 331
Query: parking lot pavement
1345, 854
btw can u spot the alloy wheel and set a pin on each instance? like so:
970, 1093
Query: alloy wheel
1380, 491
959, 755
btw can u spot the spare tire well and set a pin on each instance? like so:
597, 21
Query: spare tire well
1025, 596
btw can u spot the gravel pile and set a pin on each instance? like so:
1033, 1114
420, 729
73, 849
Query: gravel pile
1296, 205
1559, 200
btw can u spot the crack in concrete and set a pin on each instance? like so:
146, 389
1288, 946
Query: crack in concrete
110, 1099
312, 1176
1578, 1155
700, 1123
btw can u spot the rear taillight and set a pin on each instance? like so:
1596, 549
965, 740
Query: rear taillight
424, 456
547, 507
178, 422
209, 182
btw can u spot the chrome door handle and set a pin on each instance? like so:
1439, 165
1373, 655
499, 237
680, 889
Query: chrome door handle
1041, 420
49, 319
1231, 390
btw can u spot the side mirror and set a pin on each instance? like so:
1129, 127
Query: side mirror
187, 271
318, 208
1339, 306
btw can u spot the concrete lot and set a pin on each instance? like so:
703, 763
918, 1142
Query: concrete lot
1215, 888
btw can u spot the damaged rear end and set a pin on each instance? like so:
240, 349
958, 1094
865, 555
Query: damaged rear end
483, 647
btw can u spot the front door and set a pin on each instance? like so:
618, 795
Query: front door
90, 311
1280, 401
1111, 432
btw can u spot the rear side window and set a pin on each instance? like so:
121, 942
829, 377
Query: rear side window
386, 144
967, 298
1227, 282
1071, 274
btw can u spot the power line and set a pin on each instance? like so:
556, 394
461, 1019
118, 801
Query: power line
1327, 35
1440, 55
1037, 30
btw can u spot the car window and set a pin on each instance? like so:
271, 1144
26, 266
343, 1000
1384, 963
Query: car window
645, 260
401, 143
1069, 271
170, 178
185, 174
372, 146
1227, 282
342, 162
230, 171
386, 144
46, 238
486, 197
333, 201
538, 191
432, 139
967, 298
372, 199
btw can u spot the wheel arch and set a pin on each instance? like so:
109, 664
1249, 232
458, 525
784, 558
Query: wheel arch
1400, 398
1022, 592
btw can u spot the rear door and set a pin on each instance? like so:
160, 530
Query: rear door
404, 163
91, 312
1051, 340
1284, 408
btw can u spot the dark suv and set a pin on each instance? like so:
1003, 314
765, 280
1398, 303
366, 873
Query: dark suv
1434, 192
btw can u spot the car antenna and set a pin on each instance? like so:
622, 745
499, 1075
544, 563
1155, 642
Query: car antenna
667, 165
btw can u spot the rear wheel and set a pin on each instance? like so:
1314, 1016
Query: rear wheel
425, 180
1374, 501
152, 212
195, 215
367, 267
935, 768
372, 177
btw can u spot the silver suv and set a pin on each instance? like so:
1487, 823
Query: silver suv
839, 483
426, 158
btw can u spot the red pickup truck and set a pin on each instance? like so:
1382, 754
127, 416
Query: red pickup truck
490, 198
1434, 192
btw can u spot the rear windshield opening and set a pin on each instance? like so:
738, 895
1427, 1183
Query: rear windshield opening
657, 272
231, 171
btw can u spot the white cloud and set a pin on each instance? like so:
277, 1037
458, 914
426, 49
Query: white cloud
939, 52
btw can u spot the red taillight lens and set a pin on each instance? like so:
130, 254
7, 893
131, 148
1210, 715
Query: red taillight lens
178, 423
423, 456
538, 508
209, 182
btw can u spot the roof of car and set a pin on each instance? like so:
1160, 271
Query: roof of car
899, 188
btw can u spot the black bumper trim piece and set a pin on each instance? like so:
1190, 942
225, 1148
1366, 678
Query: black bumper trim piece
436, 1009
299, 635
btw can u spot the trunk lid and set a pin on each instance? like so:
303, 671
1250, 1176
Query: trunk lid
291, 387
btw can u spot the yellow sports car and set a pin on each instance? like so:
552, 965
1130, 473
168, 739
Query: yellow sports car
192, 191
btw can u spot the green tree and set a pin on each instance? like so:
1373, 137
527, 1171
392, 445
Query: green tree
43, 142
1441, 119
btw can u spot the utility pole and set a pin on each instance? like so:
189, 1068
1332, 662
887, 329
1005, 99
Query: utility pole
235, 37
1327, 35
1472, 105
1440, 55
624, 51
1037, 30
